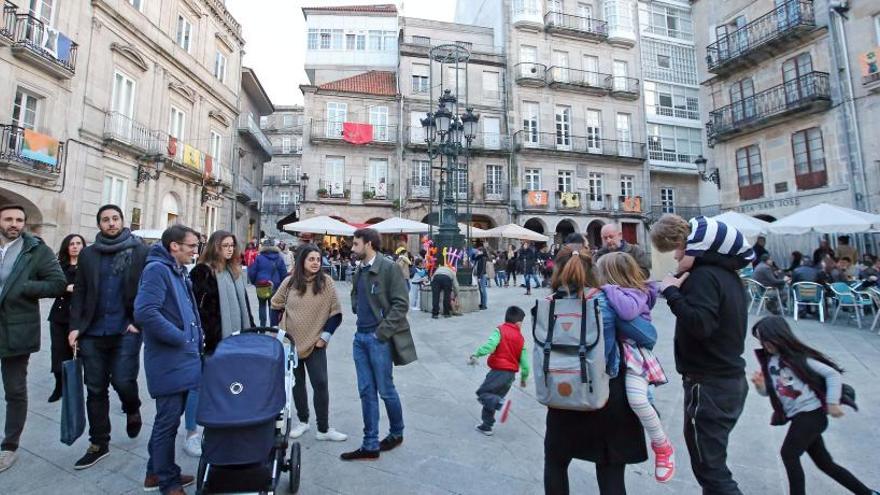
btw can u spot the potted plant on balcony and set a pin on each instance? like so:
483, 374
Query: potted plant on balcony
347, 193
322, 193
395, 205
369, 194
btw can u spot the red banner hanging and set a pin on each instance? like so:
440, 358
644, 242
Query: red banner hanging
357, 133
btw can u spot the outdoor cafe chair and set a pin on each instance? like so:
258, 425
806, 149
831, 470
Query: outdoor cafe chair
874, 293
760, 294
808, 294
845, 297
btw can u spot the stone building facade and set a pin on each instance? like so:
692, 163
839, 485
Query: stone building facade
143, 99
283, 179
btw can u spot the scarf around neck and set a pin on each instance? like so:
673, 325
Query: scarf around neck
233, 308
121, 247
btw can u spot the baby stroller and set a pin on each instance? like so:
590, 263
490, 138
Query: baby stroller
244, 407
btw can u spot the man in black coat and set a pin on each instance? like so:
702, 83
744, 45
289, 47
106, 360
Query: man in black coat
528, 260
710, 306
102, 325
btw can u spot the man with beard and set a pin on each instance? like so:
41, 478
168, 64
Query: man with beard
102, 325
380, 300
28, 271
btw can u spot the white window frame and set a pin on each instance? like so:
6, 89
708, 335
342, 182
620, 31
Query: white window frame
532, 124
337, 113
285, 173
335, 175
216, 149
177, 125
23, 99
532, 179
494, 181
623, 125
594, 131
563, 119
287, 120
220, 64
123, 125
877, 29
115, 191
285, 145
185, 28
421, 79
596, 191
420, 177
283, 198
627, 186
491, 85
667, 200
565, 181
379, 121
377, 177
491, 133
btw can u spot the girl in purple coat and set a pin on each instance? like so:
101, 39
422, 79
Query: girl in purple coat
632, 297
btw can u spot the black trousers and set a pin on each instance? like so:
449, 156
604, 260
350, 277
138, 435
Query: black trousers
610, 477
316, 366
441, 284
712, 406
492, 392
61, 350
14, 372
805, 435
109, 360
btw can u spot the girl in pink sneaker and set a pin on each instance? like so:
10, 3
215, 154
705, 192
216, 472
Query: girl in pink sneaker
632, 297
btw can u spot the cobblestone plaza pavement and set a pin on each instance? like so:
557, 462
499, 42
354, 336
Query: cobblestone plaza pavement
442, 453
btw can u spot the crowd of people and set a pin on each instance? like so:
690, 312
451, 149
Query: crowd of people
118, 296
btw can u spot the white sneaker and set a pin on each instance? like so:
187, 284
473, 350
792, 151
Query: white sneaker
193, 446
298, 430
7, 459
331, 436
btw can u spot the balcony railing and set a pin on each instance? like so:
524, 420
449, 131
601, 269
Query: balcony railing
50, 49
418, 188
810, 92
530, 74
758, 39
334, 130
551, 141
289, 150
573, 25
625, 88
29, 151
126, 131
381, 191
524, 15
473, 48
277, 180
495, 192
579, 80
278, 208
333, 189
249, 127
484, 141
7, 28
247, 191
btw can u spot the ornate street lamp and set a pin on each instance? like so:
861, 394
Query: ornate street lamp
713, 176
448, 135
143, 174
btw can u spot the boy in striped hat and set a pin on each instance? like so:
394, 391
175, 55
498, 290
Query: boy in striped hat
697, 237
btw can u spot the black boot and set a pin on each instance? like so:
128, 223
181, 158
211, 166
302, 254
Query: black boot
56, 394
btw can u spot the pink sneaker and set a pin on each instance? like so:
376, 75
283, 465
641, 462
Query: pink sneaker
664, 462
505, 411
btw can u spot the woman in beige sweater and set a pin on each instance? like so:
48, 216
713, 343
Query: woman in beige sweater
311, 313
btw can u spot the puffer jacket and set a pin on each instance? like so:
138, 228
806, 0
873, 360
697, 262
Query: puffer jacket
269, 265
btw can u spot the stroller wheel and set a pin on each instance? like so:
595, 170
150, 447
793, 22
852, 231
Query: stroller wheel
295, 459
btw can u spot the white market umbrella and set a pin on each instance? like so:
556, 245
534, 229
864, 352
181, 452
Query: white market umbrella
148, 234
514, 231
750, 227
826, 219
399, 225
321, 225
476, 233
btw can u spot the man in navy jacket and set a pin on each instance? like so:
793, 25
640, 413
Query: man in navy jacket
166, 312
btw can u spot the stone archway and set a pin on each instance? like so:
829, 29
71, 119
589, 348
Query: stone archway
563, 229
594, 233
535, 224
170, 209
35, 219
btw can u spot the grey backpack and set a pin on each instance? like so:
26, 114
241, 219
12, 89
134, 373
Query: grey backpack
569, 354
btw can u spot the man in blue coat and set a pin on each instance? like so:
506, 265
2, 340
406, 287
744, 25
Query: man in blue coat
166, 313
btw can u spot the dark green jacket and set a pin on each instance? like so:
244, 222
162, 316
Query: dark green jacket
35, 275
390, 303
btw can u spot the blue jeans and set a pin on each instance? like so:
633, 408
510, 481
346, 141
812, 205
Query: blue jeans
639, 330
162, 440
484, 284
531, 276
272, 314
500, 278
372, 361
189, 414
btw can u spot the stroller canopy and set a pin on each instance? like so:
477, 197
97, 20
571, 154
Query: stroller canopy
243, 382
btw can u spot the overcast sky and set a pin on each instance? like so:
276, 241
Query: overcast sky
275, 39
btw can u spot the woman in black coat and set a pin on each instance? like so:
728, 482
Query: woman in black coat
59, 315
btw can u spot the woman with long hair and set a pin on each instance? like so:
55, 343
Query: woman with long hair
59, 315
611, 437
311, 313
221, 297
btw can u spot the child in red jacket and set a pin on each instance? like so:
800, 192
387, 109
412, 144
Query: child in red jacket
508, 355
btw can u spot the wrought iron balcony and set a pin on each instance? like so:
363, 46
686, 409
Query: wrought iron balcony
566, 143
483, 143
45, 47
328, 189
418, 188
277, 180
622, 87
7, 28
582, 81
278, 150
495, 192
122, 130
278, 208
575, 26
761, 38
806, 94
249, 127
30, 153
530, 74
332, 131
382, 191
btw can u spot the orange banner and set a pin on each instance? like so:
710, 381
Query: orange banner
536, 198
